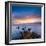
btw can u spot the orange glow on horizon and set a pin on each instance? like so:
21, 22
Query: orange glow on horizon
26, 20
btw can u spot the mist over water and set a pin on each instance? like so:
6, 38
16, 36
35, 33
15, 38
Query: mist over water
34, 28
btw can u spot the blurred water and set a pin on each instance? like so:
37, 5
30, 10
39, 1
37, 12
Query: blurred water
34, 28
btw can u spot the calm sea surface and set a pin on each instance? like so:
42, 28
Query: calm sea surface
34, 28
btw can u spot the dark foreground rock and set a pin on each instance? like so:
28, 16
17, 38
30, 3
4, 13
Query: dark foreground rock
27, 35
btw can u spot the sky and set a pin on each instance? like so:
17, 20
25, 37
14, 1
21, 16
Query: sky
26, 14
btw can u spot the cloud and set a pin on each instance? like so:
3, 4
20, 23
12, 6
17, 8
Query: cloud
27, 19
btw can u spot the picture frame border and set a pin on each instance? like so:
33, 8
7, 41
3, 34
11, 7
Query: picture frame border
7, 19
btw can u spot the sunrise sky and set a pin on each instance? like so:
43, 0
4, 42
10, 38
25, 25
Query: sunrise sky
26, 14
